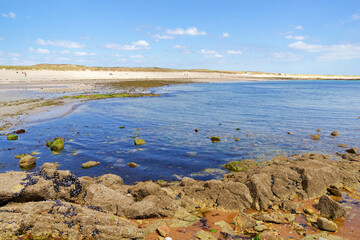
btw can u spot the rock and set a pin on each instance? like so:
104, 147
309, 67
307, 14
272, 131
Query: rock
57, 219
342, 145
315, 137
334, 134
269, 235
202, 235
89, 164
330, 208
111, 181
334, 191
244, 221
356, 158
57, 145
106, 199
352, 150
12, 137
311, 218
309, 211
27, 162
225, 227
49, 168
10, 186
185, 181
163, 230
121, 127
289, 217
241, 166
143, 189
196, 130
318, 130
152, 207
18, 156
274, 217
280, 160
260, 228
290, 133
260, 189
215, 139
132, 164
326, 225
237, 139
290, 206
20, 131
139, 141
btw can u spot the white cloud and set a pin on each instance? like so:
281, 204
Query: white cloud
8, 15
39, 50
225, 35
299, 38
137, 56
284, 56
330, 52
160, 37
355, 17
192, 31
205, 51
134, 46
59, 43
218, 55
14, 55
80, 54
299, 27
65, 52
234, 52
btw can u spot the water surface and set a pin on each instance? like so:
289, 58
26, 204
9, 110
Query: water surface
263, 111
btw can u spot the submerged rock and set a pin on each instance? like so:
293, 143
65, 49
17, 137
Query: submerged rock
352, 150
241, 166
27, 162
12, 137
215, 139
334, 134
56, 145
89, 164
139, 141
315, 137
132, 164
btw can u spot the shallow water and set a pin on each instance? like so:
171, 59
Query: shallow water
264, 112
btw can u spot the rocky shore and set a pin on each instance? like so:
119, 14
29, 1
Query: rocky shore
297, 197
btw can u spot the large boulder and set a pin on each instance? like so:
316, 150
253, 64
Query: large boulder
27, 162
330, 208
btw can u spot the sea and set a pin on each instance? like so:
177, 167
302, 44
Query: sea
253, 120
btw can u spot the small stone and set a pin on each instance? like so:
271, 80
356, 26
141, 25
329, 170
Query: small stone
237, 139
342, 145
89, 164
309, 211
311, 218
163, 230
274, 217
289, 217
352, 150
121, 127
12, 137
260, 228
290, 133
202, 235
244, 221
139, 141
196, 130
326, 225
315, 137
225, 227
318, 130
132, 164
334, 134
20, 131
215, 139
334, 191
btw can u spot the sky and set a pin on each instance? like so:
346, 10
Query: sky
282, 36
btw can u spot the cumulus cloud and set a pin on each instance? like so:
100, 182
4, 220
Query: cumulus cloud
299, 27
225, 35
205, 51
161, 37
218, 55
8, 15
39, 50
234, 52
211, 53
80, 54
134, 46
329, 52
59, 43
65, 52
192, 31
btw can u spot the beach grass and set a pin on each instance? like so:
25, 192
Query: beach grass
112, 95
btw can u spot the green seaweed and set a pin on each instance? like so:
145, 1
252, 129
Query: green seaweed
112, 95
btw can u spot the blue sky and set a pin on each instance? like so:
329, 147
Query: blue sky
290, 36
